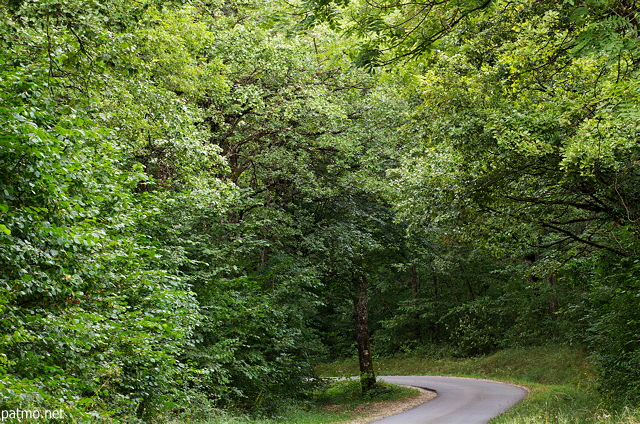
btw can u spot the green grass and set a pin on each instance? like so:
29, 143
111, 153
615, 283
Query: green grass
334, 402
294, 417
565, 404
546, 365
560, 381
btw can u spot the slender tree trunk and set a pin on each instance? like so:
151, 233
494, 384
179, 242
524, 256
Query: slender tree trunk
415, 282
361, 316
554, 305
436, 291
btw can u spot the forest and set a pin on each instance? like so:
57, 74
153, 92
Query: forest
203, 200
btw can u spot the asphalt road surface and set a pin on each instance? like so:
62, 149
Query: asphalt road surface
459, 400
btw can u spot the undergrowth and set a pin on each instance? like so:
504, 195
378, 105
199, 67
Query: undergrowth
335, 401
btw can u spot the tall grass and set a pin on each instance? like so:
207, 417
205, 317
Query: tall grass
546, 365
553, 404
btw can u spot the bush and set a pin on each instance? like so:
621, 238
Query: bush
613, 335
86, 323
477, 327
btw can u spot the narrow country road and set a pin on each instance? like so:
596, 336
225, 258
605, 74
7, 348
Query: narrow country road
459, 400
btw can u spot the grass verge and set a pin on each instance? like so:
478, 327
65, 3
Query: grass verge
564, 404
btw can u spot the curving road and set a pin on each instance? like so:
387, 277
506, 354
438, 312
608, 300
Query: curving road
459, 400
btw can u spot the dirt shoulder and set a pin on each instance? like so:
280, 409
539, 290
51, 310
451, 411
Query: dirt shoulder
378, 410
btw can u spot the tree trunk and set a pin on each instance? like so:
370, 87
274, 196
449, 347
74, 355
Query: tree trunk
415, 281
361, 316
554, 305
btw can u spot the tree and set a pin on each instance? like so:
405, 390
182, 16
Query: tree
93, 322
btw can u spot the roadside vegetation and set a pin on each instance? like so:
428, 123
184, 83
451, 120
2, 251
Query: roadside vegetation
332, 402
561, 382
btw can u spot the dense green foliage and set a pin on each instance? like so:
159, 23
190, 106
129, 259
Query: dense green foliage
195, 196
